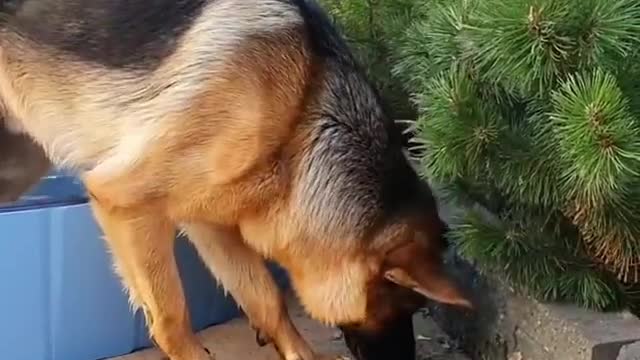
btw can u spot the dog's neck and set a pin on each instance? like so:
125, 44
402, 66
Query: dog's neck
333, 293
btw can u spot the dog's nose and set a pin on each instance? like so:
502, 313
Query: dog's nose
396, 341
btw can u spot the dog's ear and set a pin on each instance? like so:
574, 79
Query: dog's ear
414, 267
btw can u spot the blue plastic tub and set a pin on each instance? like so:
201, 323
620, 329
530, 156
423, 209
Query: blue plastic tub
59, 298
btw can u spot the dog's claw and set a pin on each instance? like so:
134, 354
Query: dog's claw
262, 339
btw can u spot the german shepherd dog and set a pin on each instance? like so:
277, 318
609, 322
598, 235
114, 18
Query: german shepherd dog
248, 125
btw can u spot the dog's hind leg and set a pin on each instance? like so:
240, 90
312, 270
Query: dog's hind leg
142, 243
245, 275
23, 163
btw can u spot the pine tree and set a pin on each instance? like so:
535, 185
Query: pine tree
530, 108
371, 28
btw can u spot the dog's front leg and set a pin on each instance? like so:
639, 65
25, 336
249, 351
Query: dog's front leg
142, 244
244, 274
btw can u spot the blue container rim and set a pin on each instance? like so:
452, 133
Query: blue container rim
54, 190
22, 206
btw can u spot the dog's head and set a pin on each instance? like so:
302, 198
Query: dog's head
381, 258
412, 270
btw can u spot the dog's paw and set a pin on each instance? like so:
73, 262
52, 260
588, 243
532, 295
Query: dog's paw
210, 357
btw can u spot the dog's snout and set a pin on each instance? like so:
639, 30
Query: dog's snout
395, 341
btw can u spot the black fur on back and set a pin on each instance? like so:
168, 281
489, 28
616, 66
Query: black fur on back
115, 33
325, 40
357, 133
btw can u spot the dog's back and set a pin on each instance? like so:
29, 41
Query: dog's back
241, 82
249, 124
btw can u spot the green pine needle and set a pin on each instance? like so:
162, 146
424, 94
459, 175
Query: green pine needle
534, 264
606, 31
459, 129
598, 139
520, 43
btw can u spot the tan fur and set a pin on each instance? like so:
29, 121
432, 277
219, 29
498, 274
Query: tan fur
245, 275
220, 157
223, 172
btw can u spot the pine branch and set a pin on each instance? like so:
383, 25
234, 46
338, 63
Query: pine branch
520, 43
535, 264
606, 31
598, 140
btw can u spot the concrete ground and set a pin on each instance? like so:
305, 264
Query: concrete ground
235, 340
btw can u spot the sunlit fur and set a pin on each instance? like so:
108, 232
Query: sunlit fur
247, 125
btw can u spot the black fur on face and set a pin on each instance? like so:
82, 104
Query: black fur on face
387, 333
396, 341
